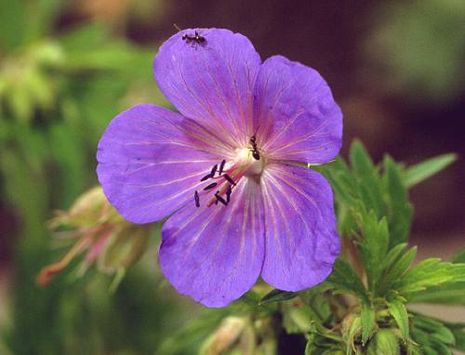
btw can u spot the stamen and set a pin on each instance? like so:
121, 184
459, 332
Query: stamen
197, 199
212, 173
229, 179
220, 199
220, 170
206, 177
228, 194
211, 186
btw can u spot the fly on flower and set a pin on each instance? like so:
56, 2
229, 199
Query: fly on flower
237, 145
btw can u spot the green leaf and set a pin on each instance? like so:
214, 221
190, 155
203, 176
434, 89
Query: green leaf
277, 296
400, 315
459, 335
385, 342
399, 208
430, 272
345, 279
452, 293
395, 265
422, 171
374, 245
433, 335
369, 182
367, 316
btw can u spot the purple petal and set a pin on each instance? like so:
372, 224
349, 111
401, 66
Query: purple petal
296, 113
215, 254
211, 82
301, 239
147, 167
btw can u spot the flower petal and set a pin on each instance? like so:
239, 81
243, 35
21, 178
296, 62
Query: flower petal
211, 82
147, 166
301, 239
296, 113
215, 254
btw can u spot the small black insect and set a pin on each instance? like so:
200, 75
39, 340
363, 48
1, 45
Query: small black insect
254, 150
189, 38
196, 37
197, 199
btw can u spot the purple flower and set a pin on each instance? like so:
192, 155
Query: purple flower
227, 169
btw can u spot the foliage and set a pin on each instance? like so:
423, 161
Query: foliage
363, 307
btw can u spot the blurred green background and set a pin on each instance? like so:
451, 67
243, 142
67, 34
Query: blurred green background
67, 67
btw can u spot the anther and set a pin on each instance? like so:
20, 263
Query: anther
228, 194
220, 170
229, 179
212, 173
206, 177
211, 186
220, 199
197, 199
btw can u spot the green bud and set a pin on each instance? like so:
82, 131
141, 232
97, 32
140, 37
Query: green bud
384, 342
98, 230
228, 336
124, 248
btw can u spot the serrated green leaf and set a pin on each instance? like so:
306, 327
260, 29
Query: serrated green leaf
367, 316
277, 296
440, 347
452, 293
393, 255
434, 328
345, 279
384, 342
430, 272
459, 337
399, 313
374, 245
399, 208
369, 182
398, 262
422, 171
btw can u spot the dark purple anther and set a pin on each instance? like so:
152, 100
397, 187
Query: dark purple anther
229, 179
212, 173
228, 194
206, 177
211, 186
220, 170
220, 199
197, 199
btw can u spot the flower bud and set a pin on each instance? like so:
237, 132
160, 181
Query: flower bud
100, 232
384, 342
234, 333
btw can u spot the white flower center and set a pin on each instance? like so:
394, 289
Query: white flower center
247, 163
